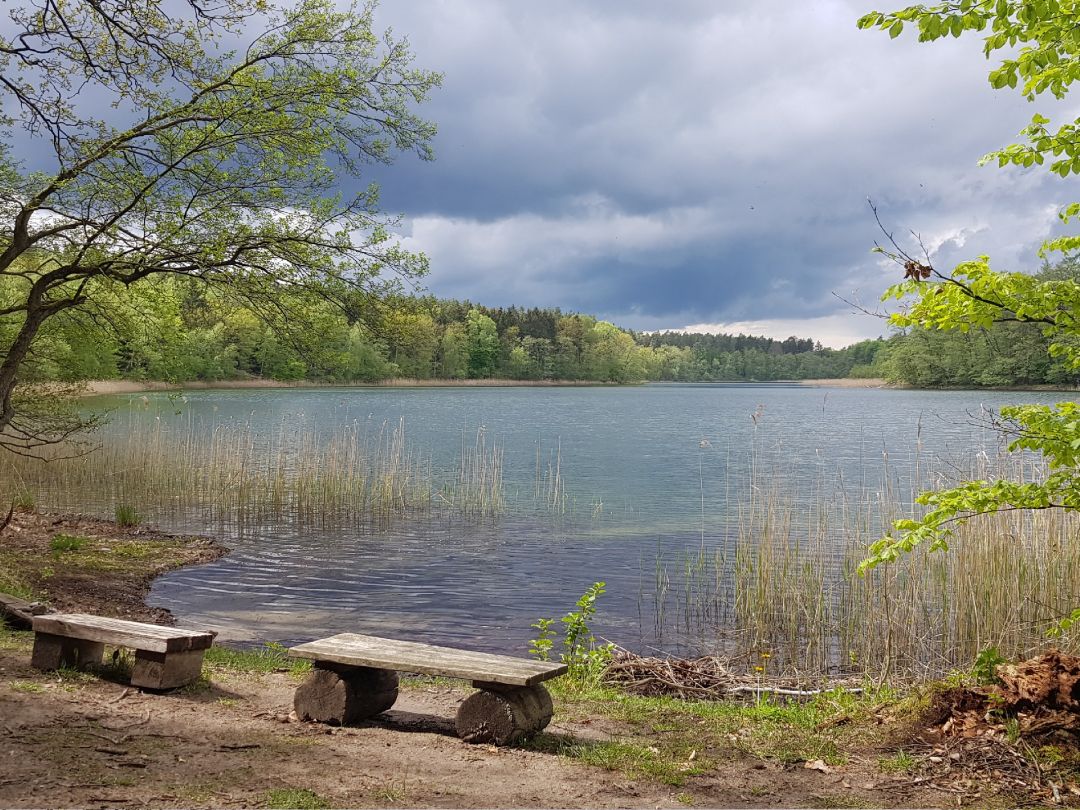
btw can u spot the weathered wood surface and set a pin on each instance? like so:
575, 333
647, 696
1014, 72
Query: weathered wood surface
54, 652
503, 717
19, 613
154, 670
353, 649
122, 633
345, 695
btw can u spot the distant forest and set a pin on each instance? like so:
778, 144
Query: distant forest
177, 329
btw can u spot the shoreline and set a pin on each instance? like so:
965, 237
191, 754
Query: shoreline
110, 387
93, 388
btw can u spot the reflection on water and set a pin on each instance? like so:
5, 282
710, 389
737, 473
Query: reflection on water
658, 479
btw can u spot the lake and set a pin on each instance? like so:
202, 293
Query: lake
651, 481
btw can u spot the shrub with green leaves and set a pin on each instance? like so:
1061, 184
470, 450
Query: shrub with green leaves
1039, 52
585, 659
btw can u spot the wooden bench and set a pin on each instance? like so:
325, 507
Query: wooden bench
165, 657
355, 677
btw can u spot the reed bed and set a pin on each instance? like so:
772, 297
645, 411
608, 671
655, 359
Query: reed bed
231, 473
786, 596
478, 488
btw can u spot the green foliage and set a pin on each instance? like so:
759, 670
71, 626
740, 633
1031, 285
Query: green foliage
585, 659
1039, 51
545, 639
127, 516
986, 663
66, 542
218, 162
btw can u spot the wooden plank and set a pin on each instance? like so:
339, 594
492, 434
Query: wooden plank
353, 649
122, 633
18, 612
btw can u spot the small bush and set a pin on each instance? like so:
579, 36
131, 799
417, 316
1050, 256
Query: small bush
584, 658
127, 516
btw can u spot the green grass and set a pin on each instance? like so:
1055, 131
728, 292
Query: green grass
668, 740
11, 581
15, 640
268, 658
900, 762
127, 516
295, 799
670, 764
67, 542
27, 686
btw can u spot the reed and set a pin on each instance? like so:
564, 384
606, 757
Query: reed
790, 589
477, 489
233, 474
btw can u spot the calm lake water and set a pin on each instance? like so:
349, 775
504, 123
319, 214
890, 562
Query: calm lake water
653, 476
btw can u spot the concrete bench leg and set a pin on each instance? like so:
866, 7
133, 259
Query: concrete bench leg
166, 670
499, 714
342, 695
54, 652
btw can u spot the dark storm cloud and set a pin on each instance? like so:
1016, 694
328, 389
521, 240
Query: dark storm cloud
665, 163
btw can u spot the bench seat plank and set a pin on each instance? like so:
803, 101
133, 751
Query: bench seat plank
122, 633
353, 649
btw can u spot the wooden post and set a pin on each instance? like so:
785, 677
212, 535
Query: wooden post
154, 670
54, 652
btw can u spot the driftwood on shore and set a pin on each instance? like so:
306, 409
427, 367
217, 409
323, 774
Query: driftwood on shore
705, 678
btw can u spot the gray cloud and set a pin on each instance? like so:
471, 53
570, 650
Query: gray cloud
665, 163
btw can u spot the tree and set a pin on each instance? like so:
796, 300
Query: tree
222, 166
482, 344
1041, 53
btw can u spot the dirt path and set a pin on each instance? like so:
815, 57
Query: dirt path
79, 741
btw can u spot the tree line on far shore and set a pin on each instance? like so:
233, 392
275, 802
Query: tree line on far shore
178, 329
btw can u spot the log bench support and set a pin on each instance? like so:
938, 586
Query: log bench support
165, 657
342, 695
354, 678
503, 714
55, 652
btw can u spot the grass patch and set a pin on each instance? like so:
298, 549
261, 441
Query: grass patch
127, 516
670, 764
268, 658
392, 792
12, 582
15, 640
668, 740
900, 762
295, 799
27, 686
66, 542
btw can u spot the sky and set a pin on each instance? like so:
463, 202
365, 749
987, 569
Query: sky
701, 164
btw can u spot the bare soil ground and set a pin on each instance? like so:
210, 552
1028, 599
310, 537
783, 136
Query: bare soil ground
74, 739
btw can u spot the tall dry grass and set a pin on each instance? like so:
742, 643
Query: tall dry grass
787, 593
358, 473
